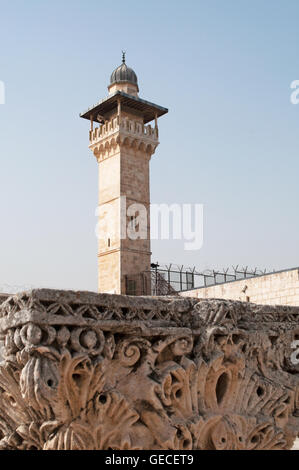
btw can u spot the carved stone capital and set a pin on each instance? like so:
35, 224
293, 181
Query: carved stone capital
115, 144
100, 371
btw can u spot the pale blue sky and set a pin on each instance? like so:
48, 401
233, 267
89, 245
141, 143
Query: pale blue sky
230, 140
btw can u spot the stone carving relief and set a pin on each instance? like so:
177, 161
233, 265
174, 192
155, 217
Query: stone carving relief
88, 371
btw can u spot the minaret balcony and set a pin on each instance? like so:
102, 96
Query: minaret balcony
125, 127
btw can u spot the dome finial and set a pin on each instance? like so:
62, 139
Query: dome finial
124, 56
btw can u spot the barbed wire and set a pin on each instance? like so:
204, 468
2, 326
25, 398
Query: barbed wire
231, 271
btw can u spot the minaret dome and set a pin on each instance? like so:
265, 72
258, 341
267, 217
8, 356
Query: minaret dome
124, 78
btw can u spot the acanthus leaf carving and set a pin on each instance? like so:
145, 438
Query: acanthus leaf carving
85, 371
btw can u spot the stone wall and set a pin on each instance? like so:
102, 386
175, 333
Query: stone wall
280, 288
100, 371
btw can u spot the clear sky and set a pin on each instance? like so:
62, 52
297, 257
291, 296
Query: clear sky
230, 140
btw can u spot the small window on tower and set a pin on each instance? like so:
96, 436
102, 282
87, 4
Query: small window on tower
108, 242
133, 222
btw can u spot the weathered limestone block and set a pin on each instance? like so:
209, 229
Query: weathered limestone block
100, 371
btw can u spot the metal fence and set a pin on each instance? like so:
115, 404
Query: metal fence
172, 279
179, 278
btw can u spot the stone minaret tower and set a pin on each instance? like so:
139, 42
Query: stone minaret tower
123, 142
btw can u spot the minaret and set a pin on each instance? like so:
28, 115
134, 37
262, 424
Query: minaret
123, 141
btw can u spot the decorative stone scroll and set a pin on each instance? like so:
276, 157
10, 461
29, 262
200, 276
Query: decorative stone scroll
100, 371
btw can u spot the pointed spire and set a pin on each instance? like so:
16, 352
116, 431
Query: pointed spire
124, 57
